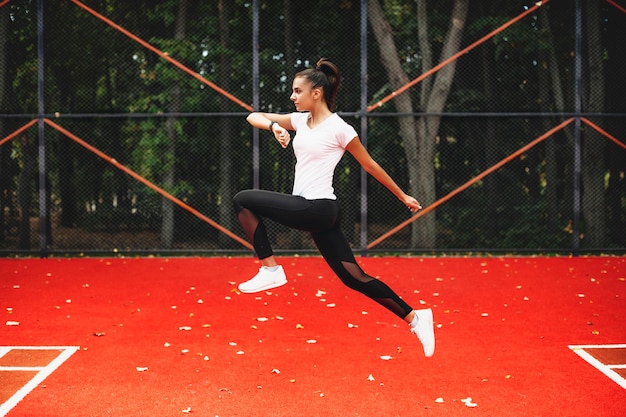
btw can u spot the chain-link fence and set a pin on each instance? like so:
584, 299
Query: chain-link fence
122, 124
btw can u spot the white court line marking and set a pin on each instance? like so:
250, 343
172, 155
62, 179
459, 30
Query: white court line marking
42, 374
605, 369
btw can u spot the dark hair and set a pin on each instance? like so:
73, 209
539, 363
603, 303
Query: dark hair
326, 76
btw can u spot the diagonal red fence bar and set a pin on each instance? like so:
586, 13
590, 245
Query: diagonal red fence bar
456, 56
154, 187
18, 131
163, 55
470, 182
603, 132
620, 8
2, 3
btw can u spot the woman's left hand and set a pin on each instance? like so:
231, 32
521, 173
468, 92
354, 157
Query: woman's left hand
412, 204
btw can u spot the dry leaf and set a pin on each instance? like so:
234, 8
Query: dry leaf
468, 402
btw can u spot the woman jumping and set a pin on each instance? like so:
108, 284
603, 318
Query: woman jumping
321, 139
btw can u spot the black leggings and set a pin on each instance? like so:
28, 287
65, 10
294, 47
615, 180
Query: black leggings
322, 218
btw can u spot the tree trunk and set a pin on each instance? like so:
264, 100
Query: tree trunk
4, 183
169, 179
552, 99
418, 137
490, 144
593, 204
226, 130
25, 191
295, 236
615, 103
398, 78
425, 50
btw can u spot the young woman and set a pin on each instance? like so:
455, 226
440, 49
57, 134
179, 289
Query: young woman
321, 139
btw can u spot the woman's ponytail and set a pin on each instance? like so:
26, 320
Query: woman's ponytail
334, 79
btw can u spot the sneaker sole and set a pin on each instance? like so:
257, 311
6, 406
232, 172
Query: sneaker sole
428, 352
264, 288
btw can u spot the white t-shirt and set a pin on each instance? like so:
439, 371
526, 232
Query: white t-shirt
318, 151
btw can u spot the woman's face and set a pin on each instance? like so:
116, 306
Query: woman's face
303, 95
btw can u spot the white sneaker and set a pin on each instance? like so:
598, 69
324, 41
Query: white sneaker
422, 326
264, 280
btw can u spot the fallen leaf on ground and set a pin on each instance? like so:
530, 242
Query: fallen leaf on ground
468, 402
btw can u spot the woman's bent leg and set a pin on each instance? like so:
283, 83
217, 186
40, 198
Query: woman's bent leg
251, 207
292, 211
336, 251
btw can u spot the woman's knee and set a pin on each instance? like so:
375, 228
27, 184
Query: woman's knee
240, 199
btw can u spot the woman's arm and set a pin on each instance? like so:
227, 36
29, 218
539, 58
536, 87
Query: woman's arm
279, 129
356, 148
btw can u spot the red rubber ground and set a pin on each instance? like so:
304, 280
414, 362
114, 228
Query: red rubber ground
314, 347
